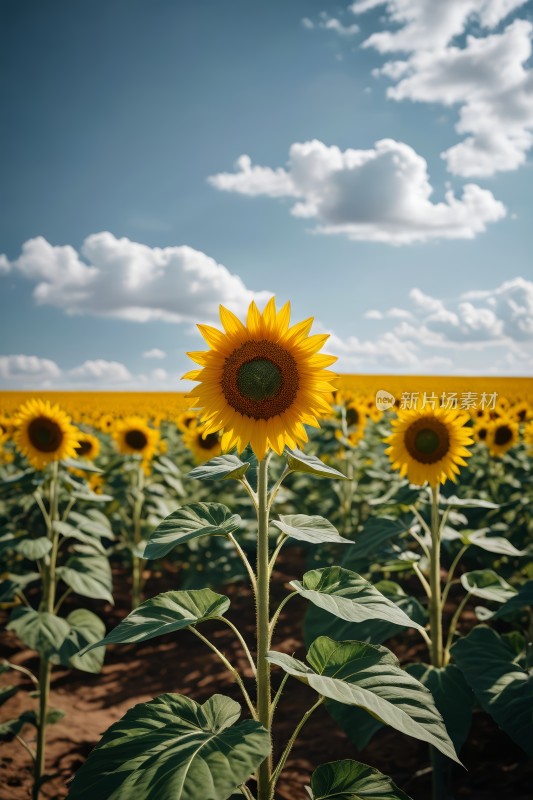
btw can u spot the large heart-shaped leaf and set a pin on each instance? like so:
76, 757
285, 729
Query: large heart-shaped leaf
33, 549
189, 522
173, 749
376, 533
351, 780
85, 629
39, 630
228, 467
298, 461
522, 599
370, 677
88, 574
165, 613
350, 597
503, 687
312, 529
493, 544
452, 695
487, 584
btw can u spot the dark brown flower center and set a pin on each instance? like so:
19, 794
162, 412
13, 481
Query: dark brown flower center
427, 440
503, 435
136, 439
482, 434
45, 434
352, 417
84, 447
260, 379
208, 442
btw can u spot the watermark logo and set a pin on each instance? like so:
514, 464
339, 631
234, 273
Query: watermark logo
384, 400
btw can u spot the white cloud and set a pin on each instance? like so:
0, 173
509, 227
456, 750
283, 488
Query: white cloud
160, 375
381, 195
19, 369
155, 352
489, 78
100, 370
127, 280
331, 24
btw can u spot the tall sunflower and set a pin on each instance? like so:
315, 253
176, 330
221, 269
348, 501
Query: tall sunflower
261, 382
44, 433
186, 419
133, 436
429, 445
502, 435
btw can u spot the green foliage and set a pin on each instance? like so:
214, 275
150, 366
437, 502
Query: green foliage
351, 780
170, 749
227, 467
312, 529
190, 522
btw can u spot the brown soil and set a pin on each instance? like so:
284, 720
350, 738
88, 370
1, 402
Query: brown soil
496, 767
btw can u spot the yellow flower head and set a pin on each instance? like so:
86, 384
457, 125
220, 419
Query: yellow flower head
261, 382
429, 445
186, 419
88, 446
203, 446
502, 435
44, 433
133, 436
528, 436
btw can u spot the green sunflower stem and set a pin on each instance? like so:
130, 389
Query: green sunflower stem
438, 762
47, 604
264, 788
136, 595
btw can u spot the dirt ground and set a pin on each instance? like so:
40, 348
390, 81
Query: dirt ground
496, 768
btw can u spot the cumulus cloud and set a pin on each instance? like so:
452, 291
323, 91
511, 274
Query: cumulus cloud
101, 370
17, 370
155, 352
328, 23
380, 195
128, 280
489, 77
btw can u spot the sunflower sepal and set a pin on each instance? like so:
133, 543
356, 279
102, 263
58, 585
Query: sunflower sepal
298, 461
227, 467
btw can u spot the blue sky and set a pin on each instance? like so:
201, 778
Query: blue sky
369, 161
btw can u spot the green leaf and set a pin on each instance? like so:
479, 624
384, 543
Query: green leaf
376, 533
522, 599
8, 691
82, 463
370, 677
503, 688
493, 544
85, 629
351, 780
452, 695
171, 749
165, 613
313, 529
70, 532
189, 522
39, 630
89, 575
10, 728
487, 584
457, 502
228, 467
350, 597
34, 549
298, 461
93, 522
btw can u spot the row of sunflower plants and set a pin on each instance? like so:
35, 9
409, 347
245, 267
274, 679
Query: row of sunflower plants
260, 382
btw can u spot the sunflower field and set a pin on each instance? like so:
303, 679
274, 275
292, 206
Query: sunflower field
287, 584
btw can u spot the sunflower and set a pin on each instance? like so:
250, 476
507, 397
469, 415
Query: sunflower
133, 436
186, 419
528, 437
502, 435
6, 427
106, 423
88, 446
429, 445
203, 446
521, 412
44, 433
261, 382
481, 429
356, 417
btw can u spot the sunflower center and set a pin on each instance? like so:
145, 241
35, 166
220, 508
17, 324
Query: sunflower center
503, 435
83, 448
45, 434
136, 439
352, 417
208, 442
482, 434
260, 379
427, 440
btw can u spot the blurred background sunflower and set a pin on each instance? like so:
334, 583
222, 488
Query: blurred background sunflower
44, 433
